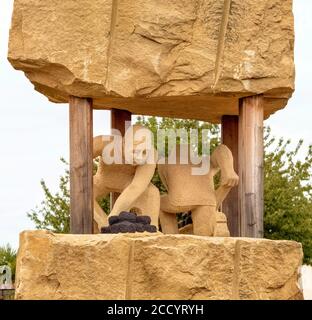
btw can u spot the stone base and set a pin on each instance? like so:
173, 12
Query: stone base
155, 266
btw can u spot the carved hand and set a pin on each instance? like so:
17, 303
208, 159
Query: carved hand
229, 179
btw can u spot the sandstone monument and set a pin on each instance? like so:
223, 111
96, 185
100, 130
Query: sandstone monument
223, 61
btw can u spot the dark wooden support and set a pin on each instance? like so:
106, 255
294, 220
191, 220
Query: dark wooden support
81, 165
230, 206
250, 165
119, 118
118, 121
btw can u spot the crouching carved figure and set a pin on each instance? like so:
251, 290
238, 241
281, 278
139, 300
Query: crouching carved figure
131, 176
196, 193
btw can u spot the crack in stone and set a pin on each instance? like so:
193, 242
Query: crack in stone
111, 39
129, 279
221, 40
237, 254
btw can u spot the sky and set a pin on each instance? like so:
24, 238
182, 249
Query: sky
34, 132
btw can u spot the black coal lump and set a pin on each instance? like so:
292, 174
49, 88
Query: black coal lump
143, 219
127, 216
113, 219
106, 230
139, 227
123, 227
150, 228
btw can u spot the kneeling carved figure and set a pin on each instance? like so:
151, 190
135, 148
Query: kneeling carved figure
196, 193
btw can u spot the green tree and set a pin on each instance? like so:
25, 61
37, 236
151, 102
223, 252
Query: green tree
154, 124
53, 213
287, 188
8, 258
288, 193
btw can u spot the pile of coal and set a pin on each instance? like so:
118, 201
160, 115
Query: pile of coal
129, 222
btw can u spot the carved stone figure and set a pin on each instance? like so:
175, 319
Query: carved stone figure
196, 193
5, 277
131, 180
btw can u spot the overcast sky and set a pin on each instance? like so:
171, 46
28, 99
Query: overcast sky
34, 132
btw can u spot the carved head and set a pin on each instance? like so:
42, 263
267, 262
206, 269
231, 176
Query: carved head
138, 145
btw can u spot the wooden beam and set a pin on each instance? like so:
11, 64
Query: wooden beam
230, 206
118, 121
81, 165
250, 150
119, 118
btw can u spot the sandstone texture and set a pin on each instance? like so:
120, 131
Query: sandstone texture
179, 58
155, 266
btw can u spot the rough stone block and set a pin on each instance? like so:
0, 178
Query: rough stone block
145, 266
180, 58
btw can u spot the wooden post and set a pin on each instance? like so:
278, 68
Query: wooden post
230, 205
81, 165
250, 151
118, 121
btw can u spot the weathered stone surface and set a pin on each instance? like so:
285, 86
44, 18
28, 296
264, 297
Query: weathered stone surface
145, 266
182, 58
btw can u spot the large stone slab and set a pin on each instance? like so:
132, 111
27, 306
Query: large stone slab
145, 266
181, 58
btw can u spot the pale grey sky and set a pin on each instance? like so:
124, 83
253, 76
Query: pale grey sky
34, 131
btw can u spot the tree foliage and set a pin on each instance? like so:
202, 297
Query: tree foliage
53, 213
288, 193
287, 188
